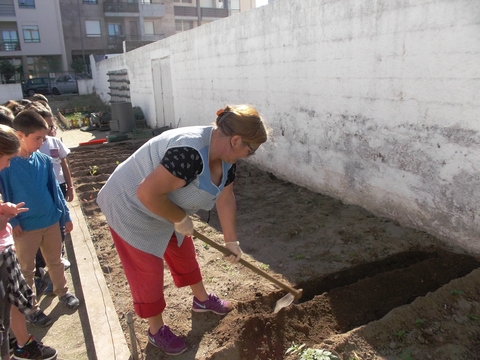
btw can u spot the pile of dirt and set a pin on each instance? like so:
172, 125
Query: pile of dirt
371, 288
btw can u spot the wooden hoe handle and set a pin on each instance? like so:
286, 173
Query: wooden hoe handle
296, 293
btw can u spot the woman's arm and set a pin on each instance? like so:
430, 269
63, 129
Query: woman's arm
153, 194
227, 213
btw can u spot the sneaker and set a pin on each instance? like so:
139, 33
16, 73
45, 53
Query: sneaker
38, 319
66, 263
48, 291
40, 272
41, 287
34, 349
167, 341
12, 341
70, 301
213, 304
40, 280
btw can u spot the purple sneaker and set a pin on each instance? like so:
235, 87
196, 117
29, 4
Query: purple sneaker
213, 304
167, 341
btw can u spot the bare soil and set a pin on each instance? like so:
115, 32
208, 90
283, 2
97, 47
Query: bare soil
372, 289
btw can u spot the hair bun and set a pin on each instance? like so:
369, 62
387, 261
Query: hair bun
220, 112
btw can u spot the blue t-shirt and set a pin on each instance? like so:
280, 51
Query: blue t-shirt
32, 180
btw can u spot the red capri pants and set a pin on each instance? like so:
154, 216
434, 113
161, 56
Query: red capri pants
144, 272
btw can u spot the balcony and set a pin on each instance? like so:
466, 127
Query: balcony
190, 11
185, 11
152, 10
214, 13
120, 7
115, 40
150, 38
9, 45
7, 9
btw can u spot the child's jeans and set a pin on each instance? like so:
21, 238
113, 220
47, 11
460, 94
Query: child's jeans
49, 240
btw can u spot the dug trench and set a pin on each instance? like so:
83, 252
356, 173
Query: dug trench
344, 301
354, 269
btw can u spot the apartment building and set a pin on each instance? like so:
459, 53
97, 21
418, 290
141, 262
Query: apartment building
101, 27
45, 37
192, 13
31, 38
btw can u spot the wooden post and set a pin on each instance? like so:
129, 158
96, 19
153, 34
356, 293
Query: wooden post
133, 339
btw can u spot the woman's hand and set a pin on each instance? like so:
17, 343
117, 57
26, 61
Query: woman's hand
184, 227
234, 247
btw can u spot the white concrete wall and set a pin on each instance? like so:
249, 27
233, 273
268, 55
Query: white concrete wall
374, 102
100, 77
10, 92
86, 87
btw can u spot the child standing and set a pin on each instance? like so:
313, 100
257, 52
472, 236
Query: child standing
37, 228
13, 287
54, 148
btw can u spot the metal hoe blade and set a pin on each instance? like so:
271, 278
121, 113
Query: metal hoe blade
284, 302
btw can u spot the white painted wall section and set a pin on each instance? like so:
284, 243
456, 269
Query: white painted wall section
375, 103
10, 92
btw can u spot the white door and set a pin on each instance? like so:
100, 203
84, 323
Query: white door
162, 92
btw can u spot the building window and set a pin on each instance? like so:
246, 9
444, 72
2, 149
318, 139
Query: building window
114, 29
25, 4
90, 1
148, 27
146, 1
183, 1
44, 66
235, 5
183, 25
210, 3
92, 28
9, 41
31, 34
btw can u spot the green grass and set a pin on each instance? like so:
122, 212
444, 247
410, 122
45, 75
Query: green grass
456, 292
297, 256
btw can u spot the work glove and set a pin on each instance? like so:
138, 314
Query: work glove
184, 227
234, 247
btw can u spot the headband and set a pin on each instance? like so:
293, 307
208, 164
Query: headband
222, 114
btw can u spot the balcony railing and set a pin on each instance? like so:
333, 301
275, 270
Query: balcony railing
115, 40
153, 37
7, 10
185, 11
120, 7
9, 45
191, 11
152, 10
214, 13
